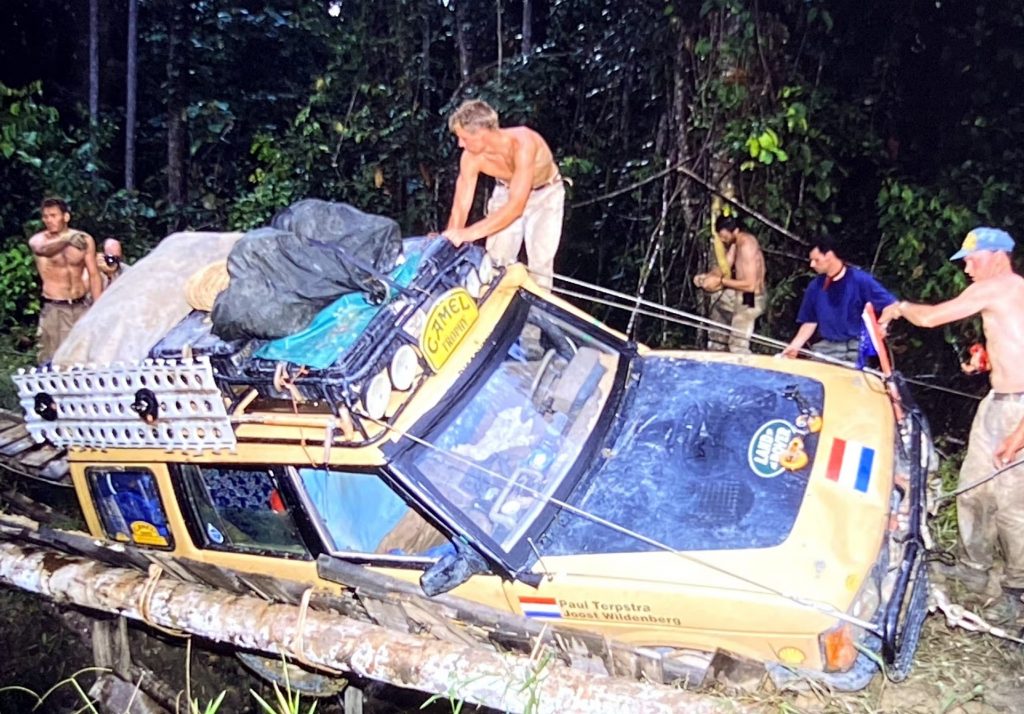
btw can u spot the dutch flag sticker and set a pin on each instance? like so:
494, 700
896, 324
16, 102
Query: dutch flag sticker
541, 607
850, 464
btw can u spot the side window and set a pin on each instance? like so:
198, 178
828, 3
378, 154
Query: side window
361, 514
240, 509
129, 507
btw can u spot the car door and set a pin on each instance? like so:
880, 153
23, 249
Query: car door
361, 519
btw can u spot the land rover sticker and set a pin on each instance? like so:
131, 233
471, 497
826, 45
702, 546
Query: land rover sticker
447, 324
768, 445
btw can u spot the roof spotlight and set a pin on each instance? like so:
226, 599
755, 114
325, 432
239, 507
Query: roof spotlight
403, 368
376, 394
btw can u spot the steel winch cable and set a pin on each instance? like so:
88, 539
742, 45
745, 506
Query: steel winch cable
822, 608
964, 488
631, 303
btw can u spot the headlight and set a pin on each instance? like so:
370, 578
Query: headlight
376, 395
403, 368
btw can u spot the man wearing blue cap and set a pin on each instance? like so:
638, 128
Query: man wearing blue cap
993, 510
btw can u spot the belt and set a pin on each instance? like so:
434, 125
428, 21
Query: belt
74, 301
551, 182
1008, 396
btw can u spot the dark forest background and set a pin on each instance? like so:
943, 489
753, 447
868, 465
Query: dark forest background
893, 126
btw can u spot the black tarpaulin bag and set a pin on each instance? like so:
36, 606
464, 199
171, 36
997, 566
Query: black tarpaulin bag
313, 253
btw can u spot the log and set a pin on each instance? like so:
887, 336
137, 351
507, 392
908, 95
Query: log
338, 644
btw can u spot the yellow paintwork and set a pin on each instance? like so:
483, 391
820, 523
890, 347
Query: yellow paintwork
835, 554
652, 598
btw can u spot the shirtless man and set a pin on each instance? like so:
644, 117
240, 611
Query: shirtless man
994, 510
528, 198
739, 300
65, 259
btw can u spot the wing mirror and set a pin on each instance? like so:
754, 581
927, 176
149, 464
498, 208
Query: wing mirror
453, 569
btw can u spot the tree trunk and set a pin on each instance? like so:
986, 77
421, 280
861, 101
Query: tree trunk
462, 29
94, 62
527, 27
336, 643
498, 33
424, 95
177, 128
130, 99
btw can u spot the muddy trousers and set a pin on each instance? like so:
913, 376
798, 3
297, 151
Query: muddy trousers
993, 513
728, 308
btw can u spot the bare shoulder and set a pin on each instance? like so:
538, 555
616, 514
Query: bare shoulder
520, 133
469, 162
526, 138
1011, 285
995, 293
748, 242
1000, 285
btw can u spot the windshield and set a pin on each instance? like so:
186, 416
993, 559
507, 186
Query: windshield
708, 456
500, 455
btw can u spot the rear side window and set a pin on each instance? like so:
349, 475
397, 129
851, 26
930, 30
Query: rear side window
128, 504
240, 509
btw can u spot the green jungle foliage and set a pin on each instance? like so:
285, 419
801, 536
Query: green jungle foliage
891, 126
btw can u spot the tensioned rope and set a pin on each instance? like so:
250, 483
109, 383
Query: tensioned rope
665, 313
822, 608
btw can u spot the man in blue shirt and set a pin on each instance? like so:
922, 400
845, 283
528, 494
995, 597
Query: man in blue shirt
833, 304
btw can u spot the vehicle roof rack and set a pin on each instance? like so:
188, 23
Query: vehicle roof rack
195, 386
169, 404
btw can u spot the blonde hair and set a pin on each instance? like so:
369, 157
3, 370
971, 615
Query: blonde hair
472, 115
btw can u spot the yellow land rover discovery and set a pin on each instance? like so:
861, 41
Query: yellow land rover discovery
477, 434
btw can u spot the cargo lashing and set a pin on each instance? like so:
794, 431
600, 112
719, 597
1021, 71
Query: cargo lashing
168, 404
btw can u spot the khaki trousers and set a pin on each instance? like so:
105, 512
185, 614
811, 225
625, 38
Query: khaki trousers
994, 511
55, 322
540, 227
727, 308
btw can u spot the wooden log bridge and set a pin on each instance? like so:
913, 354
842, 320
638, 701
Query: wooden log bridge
340, 644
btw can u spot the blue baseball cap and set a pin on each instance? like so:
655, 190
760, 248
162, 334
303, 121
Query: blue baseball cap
984, 239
